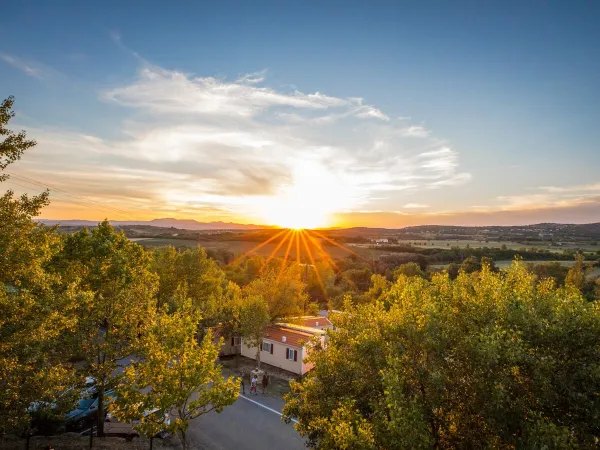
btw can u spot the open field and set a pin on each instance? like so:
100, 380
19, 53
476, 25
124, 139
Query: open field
241, 247
545, 245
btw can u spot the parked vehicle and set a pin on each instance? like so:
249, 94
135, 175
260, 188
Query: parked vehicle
86, 410
164, 419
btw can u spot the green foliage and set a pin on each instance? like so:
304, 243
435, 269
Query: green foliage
35, 314
409, 270
312, 309
120, 305
283, 292
12, 145
174, 375
254, 318
489, 360
379, 287
192, 270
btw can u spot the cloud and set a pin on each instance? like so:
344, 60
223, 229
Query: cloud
369, 111
585, 212
253, 78
165, 91
29, 68
415, 206
205, 144
415, 131
593, 187
551, 197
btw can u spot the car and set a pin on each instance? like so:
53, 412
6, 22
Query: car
166, 421
89, 387
87, 410
163, 418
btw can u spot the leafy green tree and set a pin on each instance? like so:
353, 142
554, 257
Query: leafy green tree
254, 318
12, 145
175, 375
470, 265
358, 279
32, 323
552, 269
380, 286
409, 270
313, 309
489, 360
243, 271
194, 271
120, 308
576, 276
283, 292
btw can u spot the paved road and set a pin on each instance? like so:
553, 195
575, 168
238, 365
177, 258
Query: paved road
245, 426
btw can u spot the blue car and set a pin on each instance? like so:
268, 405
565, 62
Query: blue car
86, 410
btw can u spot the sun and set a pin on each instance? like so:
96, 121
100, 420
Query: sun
309, 202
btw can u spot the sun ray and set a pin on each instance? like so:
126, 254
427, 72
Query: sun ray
259, 246
287, 253
326, 255
298, 246
312, 261
321, 235
274, 252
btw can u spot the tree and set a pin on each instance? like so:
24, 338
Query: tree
552, 269
174, 375
380, 286
409, 270
120, 306
312, 309
283, 292
470, 265
194, 271
254, 318
13, 145
32, 366
489, 360
576, 276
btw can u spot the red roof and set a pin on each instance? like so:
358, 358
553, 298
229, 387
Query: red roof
294, 338
317, 322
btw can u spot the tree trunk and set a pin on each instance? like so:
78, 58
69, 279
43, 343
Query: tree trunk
183, 439
100, 417
258, 355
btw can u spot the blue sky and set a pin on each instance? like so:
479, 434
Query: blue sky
470, 112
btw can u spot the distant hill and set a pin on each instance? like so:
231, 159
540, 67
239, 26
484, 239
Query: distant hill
557, 230
184, 224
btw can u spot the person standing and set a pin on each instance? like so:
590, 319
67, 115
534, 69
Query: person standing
243, 385
253, 384
265, 383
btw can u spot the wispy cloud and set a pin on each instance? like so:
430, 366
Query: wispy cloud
415, 131
30, 68
232, 145
415, 206
253, 78
593, 187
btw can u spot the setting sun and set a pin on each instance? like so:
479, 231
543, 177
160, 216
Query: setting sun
308, 202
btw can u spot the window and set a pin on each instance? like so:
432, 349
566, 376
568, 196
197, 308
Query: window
290, 354
235, 340
267, 347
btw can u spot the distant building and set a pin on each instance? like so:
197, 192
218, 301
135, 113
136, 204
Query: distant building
380, 241
286, 346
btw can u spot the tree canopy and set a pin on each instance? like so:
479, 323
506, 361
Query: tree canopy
485, 361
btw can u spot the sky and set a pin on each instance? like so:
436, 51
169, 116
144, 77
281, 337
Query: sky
382, 114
